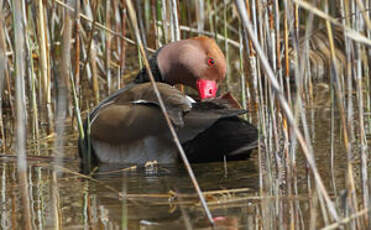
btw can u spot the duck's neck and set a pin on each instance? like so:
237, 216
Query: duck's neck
143, 76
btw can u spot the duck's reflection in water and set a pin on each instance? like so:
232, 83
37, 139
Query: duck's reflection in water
162, 196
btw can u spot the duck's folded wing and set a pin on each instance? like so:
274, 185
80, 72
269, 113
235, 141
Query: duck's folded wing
131, 134
129, 127
123, 124
135, 113
175, 102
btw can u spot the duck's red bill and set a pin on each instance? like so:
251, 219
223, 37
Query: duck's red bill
206, 88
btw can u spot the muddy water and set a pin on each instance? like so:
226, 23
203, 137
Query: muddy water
144, 198
149, 201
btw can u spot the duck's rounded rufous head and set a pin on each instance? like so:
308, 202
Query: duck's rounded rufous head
197, 62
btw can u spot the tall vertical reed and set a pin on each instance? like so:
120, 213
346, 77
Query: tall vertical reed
19, 38
3, 61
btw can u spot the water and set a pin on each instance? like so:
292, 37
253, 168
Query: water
148, 203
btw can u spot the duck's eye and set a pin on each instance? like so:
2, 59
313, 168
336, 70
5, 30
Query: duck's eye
211, 61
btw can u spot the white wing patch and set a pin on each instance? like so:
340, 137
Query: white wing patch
190, 99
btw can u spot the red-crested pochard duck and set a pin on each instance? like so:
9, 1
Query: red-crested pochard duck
129, 127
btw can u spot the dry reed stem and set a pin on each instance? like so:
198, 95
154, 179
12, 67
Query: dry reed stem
32, 83
19, 33
77, 45
226, 46
174, 19
45, 66
107, 59
93, 57
3, 64
364, 14
278, 91
101, 26
346, 220
349, 32
362, 137
42, 49
123, 43
340, 104
56, 213
163, 109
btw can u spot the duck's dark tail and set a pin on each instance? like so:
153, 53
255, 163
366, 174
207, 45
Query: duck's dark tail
230, 137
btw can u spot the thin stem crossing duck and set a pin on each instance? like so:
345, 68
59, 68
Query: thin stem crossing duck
128, 127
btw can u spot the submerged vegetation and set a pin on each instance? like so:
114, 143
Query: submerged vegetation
302, 69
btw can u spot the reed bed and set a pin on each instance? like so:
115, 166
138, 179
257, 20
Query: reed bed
58, 59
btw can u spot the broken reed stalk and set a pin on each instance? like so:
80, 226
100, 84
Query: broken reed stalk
19, 42
133, 20
284, 105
